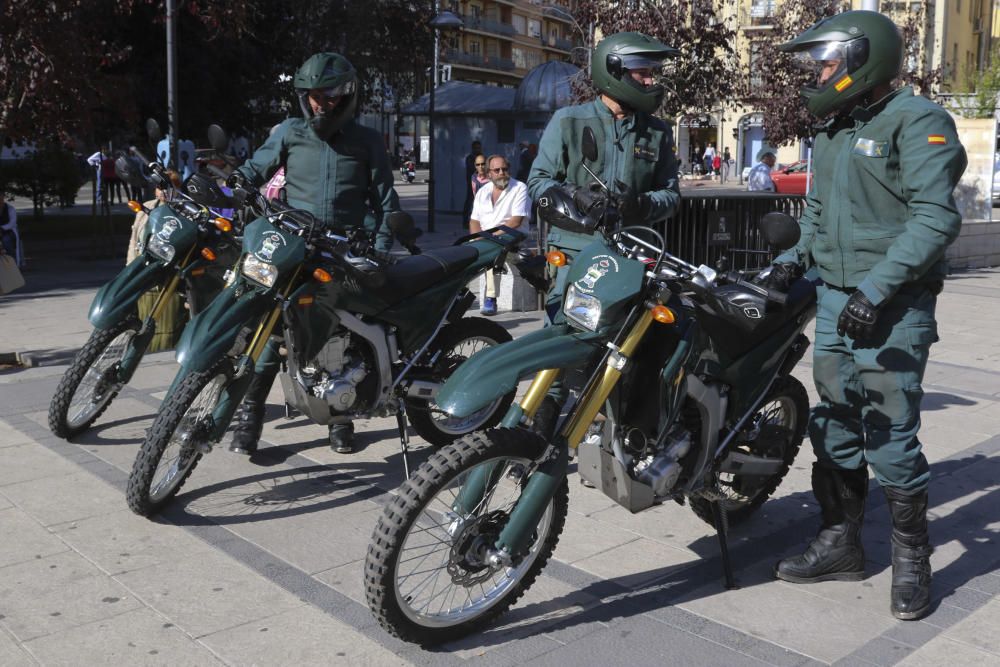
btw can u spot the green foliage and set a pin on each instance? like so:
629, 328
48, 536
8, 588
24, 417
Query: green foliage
978, 95
45, 177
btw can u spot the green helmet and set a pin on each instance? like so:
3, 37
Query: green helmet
868, 47
334, 76
615, 56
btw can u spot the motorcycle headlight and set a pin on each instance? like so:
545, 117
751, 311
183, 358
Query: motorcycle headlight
161, 248
259, 272
582, 309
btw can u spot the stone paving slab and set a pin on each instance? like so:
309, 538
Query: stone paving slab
283, 536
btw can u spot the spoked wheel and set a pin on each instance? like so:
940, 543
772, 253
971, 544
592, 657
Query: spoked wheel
174, 444
432, 574
456, 343
91, 382
776, 432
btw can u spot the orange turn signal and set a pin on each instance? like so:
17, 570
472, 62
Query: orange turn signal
208, 254
134, 206
556, 257
322, 276
663, 315
223, 225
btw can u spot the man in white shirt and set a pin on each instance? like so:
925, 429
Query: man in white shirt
502, 201
760, 176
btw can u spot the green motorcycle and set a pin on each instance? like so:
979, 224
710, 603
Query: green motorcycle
675, 385
186, 249
364, 335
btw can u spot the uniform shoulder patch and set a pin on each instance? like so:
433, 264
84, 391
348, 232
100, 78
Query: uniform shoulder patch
937, 139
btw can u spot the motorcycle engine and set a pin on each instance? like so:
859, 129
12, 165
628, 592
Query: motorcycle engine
661, 469
336, 372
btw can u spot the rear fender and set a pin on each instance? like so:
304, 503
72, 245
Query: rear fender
117, 299
495, 371
212, 332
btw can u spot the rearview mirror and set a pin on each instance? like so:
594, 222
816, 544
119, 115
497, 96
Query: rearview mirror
217, 138
402, 226
153, 131
588, 145
780, 230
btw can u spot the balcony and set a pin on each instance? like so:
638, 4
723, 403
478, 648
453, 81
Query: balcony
456, 57
487, 25
556, 43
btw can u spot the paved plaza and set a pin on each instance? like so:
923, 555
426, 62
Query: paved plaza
259, 562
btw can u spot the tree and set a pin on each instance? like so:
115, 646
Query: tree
706, 72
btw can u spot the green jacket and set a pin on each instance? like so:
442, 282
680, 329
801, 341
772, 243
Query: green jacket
344, 181
880, 212
637, 150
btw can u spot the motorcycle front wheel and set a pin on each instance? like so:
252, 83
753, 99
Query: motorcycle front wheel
456, 343
173, 446
779, 426
91, 383
428, 575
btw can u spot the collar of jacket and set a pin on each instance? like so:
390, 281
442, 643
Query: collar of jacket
865, 113
606, 116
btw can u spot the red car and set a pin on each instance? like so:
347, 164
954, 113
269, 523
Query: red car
791, 180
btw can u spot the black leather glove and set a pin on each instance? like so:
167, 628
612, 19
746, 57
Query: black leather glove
781, 276
634, 207
857, 319
588, 196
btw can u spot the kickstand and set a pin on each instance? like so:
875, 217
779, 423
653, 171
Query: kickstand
288, 410
721, 527
404, 441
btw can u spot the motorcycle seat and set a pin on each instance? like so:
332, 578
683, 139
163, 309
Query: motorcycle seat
416, 273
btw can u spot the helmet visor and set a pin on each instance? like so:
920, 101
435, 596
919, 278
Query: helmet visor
822, 62
642, 61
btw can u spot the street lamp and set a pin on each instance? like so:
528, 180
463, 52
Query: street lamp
445, 20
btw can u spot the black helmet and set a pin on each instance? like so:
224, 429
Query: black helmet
868, 47
334, 75
614, 56
557, 208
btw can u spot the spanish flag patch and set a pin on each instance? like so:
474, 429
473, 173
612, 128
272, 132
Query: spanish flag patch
843, 83
936, 139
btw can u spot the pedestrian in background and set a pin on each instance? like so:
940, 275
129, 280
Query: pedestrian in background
502, 201
727, 160
470, 169
760, 176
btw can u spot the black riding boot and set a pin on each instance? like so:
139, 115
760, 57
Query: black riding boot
249, 416
341, 436
911, 554
836, 552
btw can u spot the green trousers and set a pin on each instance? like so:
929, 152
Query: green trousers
870, 391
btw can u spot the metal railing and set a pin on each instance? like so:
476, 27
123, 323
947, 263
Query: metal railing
457, 57
708, 227
697, 235
488, 25
556, 43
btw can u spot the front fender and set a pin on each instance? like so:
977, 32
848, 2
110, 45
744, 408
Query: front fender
495, 371
117, 298
212, 332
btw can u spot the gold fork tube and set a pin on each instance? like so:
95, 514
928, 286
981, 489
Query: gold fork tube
263, 332
169, 289
591, 404
537, 390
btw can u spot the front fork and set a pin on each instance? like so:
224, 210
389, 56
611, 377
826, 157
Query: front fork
541, 487
233, 392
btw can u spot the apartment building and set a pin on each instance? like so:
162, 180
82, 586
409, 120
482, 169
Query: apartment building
954, 36
502, 40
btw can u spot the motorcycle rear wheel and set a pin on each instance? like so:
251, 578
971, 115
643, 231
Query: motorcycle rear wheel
781, 425
457, 342
88, 386
427, 577
171, 450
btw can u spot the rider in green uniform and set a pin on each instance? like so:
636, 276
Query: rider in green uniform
636, 150
337, 170
878, 219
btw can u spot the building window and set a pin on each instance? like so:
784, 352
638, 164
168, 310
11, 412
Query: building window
519, 23
475, 11
475, 47
517, 55
534, 28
